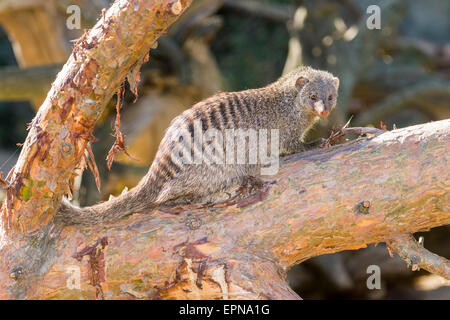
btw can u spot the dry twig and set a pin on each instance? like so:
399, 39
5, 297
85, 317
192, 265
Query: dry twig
416, 256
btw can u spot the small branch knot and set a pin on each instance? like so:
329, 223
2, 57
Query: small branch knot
193, 223
16, 273
66, 148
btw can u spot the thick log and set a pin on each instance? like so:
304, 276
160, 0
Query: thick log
416, 256
322, 201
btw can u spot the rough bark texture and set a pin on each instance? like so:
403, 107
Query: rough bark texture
322, 201
416, 256
27, 84
114, 49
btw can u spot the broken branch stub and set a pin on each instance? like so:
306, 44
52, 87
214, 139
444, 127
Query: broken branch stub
321, 201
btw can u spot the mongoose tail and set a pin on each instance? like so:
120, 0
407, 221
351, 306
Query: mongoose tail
127, 203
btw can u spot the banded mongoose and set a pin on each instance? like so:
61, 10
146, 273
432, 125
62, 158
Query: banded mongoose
292, 104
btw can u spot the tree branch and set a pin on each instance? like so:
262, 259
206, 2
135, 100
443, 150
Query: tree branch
397, 101
100, 62
112, 51
322, 201
28, 83
416, 256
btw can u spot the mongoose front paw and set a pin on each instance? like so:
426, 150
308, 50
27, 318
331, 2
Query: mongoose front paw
319, 143
250, 185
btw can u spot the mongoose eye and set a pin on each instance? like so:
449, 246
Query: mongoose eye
330, 97
313, 97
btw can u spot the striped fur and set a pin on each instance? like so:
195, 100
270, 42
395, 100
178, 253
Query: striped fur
282, 105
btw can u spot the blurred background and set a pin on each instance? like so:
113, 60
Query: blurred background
398, 75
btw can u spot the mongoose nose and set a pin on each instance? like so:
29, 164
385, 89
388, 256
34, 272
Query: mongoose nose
324, 113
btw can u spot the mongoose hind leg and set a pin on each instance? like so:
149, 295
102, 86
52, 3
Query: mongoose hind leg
250, 185
315, 144
299, 146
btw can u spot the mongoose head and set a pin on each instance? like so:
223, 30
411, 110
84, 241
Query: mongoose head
317, 91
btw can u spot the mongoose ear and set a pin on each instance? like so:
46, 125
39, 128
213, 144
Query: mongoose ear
336, 82
301, 81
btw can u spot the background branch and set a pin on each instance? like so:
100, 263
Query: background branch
27, 84
416, 256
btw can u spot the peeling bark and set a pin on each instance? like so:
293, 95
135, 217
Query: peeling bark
101, 60
322, 201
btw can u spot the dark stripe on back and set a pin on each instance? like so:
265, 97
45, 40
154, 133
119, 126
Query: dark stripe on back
194, 148
204, 120
231, 107
213, 118
237, 105
164, 169
223, 113
240, 105
191, 129
248, 101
